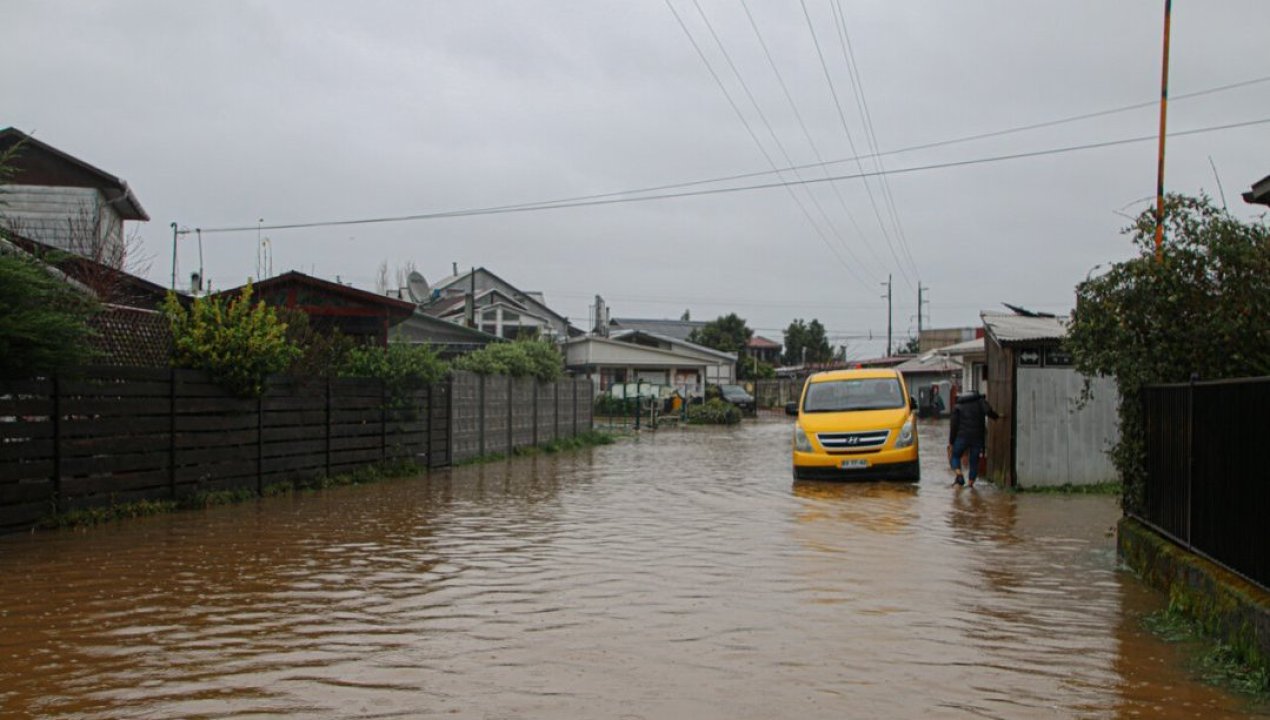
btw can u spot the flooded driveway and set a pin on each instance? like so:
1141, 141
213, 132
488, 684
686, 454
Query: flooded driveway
680, 575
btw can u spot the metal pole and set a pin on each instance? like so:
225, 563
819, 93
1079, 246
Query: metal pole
1164, 111
888, 315
174, 256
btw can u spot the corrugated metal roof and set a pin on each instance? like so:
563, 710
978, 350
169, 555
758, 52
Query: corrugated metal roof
969, 347
929, 363
1012, 328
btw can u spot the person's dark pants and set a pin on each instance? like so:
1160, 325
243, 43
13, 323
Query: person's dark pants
973, 448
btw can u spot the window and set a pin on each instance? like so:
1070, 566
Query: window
863, 394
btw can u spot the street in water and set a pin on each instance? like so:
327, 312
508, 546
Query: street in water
678, 574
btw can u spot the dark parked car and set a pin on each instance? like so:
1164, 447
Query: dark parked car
736, 395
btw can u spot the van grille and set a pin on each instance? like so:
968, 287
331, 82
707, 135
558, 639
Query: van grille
853, 442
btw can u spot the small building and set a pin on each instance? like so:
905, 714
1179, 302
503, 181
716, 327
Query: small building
362, 315
628, 356
764, 350
973, 356
59, 200
929, 379
1049, 434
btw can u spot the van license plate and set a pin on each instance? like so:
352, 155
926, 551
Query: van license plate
854, 464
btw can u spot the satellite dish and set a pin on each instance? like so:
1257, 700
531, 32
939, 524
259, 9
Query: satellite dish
417, 287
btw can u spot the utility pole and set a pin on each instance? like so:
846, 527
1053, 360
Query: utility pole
1164, 111
920, 303
175, 233
888, 314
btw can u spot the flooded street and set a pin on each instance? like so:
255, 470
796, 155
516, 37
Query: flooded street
679, 575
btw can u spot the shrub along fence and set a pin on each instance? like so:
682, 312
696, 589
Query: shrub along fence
113, 435
1207, 486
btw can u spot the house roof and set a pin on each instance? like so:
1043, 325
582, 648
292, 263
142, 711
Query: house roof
621, 335
678, 329
39, 163
1260, 192
637, 354
393, 306
758, 342
110, 285
532, 295
929, 364
1008, 328
968, 347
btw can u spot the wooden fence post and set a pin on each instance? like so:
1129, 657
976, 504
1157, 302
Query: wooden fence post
328, 426
59, 502
172, 432
383, 421
260, 440
511, 413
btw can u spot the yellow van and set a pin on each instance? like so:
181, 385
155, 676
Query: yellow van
855, 424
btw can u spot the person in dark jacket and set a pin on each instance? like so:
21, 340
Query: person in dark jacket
967, 432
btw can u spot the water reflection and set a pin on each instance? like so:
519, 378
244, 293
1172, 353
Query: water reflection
676, 576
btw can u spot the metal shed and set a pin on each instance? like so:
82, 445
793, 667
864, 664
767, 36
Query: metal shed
1048, 434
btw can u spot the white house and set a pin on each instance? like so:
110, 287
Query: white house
63, 202
497, 307
634, 356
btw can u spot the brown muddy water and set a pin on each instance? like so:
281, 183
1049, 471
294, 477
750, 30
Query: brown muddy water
680, 575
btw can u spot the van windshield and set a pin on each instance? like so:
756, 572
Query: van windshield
862, 394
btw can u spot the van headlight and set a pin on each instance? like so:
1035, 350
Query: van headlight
801, 443
908, 433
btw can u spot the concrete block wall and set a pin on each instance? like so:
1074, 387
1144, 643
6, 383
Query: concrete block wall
496, 414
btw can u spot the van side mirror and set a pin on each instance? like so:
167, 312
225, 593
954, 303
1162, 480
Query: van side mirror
791, 408
912, 403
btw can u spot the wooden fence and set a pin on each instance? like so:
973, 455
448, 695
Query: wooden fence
116, 434
112, 435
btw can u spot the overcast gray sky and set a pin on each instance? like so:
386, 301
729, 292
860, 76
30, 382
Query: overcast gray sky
219, 114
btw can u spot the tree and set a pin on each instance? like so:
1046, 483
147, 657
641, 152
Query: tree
43, 318
237, 343
1202, 308
728, 333
810, 336
911, 347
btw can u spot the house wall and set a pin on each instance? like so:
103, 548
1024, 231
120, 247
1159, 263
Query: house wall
1059, 439
70, 218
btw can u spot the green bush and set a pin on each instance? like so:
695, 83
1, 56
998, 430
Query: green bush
523, 358
43, 320
714, 412
1200, 309
237, 343
404, 368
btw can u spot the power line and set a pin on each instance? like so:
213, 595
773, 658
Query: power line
850, 141
780, 78
566, 204
862, 105
776, 139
